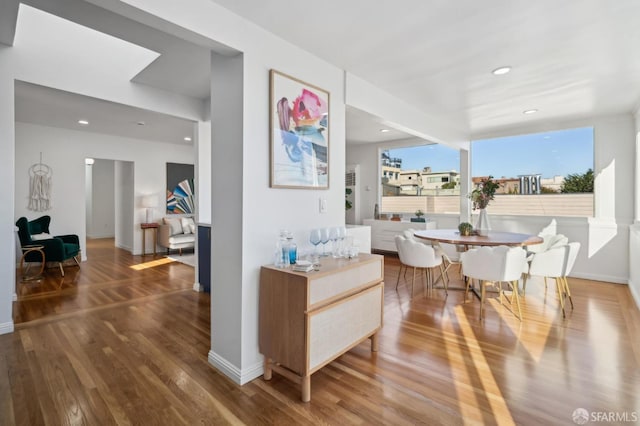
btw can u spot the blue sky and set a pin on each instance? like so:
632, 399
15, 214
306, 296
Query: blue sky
549, 154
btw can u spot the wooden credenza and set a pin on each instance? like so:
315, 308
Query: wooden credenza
309, 319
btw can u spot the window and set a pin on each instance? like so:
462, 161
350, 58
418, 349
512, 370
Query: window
548, 174
425, 178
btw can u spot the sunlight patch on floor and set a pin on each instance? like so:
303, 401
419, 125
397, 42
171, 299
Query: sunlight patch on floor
152, 264
498, 405
467, 401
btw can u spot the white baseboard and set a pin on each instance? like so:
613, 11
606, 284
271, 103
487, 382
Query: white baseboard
198, 287
232, 372
15, 297
6, 327
605, 278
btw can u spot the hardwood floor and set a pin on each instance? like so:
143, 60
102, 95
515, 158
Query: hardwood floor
121, 343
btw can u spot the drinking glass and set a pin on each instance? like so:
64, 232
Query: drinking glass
333, 236
324, 239
315, 239
342, 234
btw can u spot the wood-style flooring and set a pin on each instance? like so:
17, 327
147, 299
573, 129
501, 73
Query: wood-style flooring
124, 340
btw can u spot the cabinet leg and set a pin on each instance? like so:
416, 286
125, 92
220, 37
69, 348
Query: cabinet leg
267, 369
374, 342
306, 388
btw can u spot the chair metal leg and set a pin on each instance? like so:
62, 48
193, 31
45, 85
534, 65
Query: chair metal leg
482, 294
413, 281
524, 283
445, 279
566, 286
61, 268
399, 272
560, 295
76, 259
515, 294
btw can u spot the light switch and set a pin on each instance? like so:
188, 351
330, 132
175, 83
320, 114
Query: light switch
323, 205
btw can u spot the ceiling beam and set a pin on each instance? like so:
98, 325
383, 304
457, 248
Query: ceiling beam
8, 21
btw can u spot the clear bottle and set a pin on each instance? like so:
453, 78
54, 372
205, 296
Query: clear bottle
282, 250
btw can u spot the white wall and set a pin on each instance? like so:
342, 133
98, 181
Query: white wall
367, 157
7, 169
125, 205
65, 150
102, 220
604, 238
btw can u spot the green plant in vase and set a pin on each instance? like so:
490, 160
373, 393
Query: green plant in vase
465, 229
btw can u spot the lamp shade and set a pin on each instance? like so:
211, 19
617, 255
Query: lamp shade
149, 200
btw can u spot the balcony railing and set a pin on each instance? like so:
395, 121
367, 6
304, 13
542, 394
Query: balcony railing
580, 205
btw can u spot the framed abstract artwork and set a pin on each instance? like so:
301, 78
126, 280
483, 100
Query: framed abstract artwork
299, 127
180, 189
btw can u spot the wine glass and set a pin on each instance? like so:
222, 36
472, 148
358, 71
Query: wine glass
315, 239
333, 236
342, 234
324, 239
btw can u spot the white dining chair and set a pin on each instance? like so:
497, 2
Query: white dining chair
418, 256
499, 264
450, 257
556, 263
549, 242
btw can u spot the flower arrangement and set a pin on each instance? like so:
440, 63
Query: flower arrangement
484, 193
419, 213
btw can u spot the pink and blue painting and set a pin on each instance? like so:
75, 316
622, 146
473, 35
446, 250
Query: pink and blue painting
299, 134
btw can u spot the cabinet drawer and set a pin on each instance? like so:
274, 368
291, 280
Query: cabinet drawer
330, 286
337, 328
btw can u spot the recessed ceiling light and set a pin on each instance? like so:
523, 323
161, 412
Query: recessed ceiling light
501, 70
530, 111
83, 122
384, 130
187, 139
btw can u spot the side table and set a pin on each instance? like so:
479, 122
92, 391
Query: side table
154, 227
25, 251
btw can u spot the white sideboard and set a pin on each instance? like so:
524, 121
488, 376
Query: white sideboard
361, 237
383, 232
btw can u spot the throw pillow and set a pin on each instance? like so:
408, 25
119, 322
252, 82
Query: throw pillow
176, 225
186, 225
41, 236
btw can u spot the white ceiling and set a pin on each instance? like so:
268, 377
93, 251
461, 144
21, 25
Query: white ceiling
56, 108
570, 59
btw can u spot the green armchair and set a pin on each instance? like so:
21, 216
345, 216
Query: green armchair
56, 249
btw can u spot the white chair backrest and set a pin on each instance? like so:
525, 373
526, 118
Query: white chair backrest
556, 261
549, 242
550, 229
415, 254
408, 234
549, 263
499, 263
